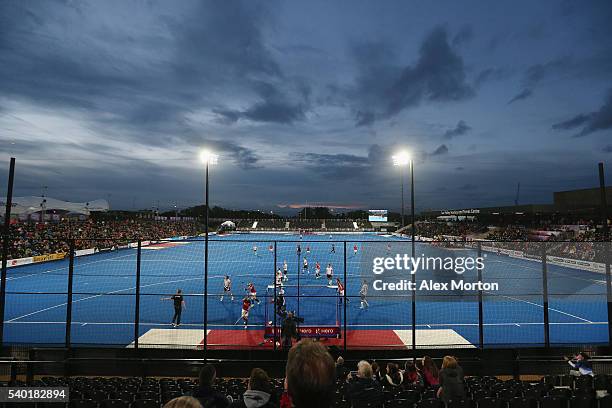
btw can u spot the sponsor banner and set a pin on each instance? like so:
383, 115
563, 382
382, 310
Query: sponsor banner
510, 252
19, 262
577, 264
83, 252
308, 331
48, 257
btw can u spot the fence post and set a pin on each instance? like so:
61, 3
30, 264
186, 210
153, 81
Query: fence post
137, 305
413, 280
274, 301
545, 297
606, 257
5, 246
480, 310
344, 300
298, 283
69, 295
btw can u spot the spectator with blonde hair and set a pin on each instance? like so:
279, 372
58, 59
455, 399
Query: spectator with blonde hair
183, 402
451, 381
362, 388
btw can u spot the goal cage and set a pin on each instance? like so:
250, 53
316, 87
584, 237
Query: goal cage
318, 305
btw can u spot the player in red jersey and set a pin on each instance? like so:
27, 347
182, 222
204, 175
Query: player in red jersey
246, 306
252, 293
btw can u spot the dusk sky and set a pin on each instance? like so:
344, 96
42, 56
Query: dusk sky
305, 101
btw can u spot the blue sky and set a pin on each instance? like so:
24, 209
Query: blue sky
305, 101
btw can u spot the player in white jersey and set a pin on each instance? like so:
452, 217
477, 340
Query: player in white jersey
363, 293
227, 287
285, 268
329, 273
255, 250
317, 270
305, 267
279, 277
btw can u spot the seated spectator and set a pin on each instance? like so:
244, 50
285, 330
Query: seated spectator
430, 372
341, 370
362, 388
205, 393
310, 375
376, 371
411, 374
183, 402
259, 393
393, 376
580, 364
451, 381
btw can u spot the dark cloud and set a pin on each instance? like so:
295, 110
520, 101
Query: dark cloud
607, 149
461, 129
460, 168
524, 94
590, 122
463, 36
468, 187
440, 150
384, 90
573, 123
490, 74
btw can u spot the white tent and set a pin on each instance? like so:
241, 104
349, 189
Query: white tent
227, 225
31, 204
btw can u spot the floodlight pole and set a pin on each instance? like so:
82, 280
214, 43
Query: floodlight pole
402, 178
206, 266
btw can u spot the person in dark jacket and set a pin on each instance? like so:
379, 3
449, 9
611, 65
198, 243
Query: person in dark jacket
393, 377
451, 381
363, 388
288, 331
341, 371
259, 393
205, 393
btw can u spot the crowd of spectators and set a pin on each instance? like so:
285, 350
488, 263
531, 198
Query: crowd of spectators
31, 239
313, 380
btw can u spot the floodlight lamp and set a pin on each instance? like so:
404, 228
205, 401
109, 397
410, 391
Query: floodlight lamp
208, 157
401, 158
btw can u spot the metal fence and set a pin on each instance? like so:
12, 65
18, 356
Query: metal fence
461, 294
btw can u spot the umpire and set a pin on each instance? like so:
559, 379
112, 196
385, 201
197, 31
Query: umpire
288, 331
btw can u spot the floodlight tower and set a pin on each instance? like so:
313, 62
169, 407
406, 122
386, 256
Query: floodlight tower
207, 158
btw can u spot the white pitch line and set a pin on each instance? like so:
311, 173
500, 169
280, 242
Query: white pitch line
549, 308
95, 296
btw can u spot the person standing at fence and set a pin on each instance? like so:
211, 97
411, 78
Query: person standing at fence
179, 305
363, 292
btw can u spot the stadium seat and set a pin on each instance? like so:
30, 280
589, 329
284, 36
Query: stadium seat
398, 403
411, 395
605, 402
582, 401
147, 395
114, 403
553, 401
488, 402
522, 402
363, 404
430, 403
458, 404
561, 392
83, 403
